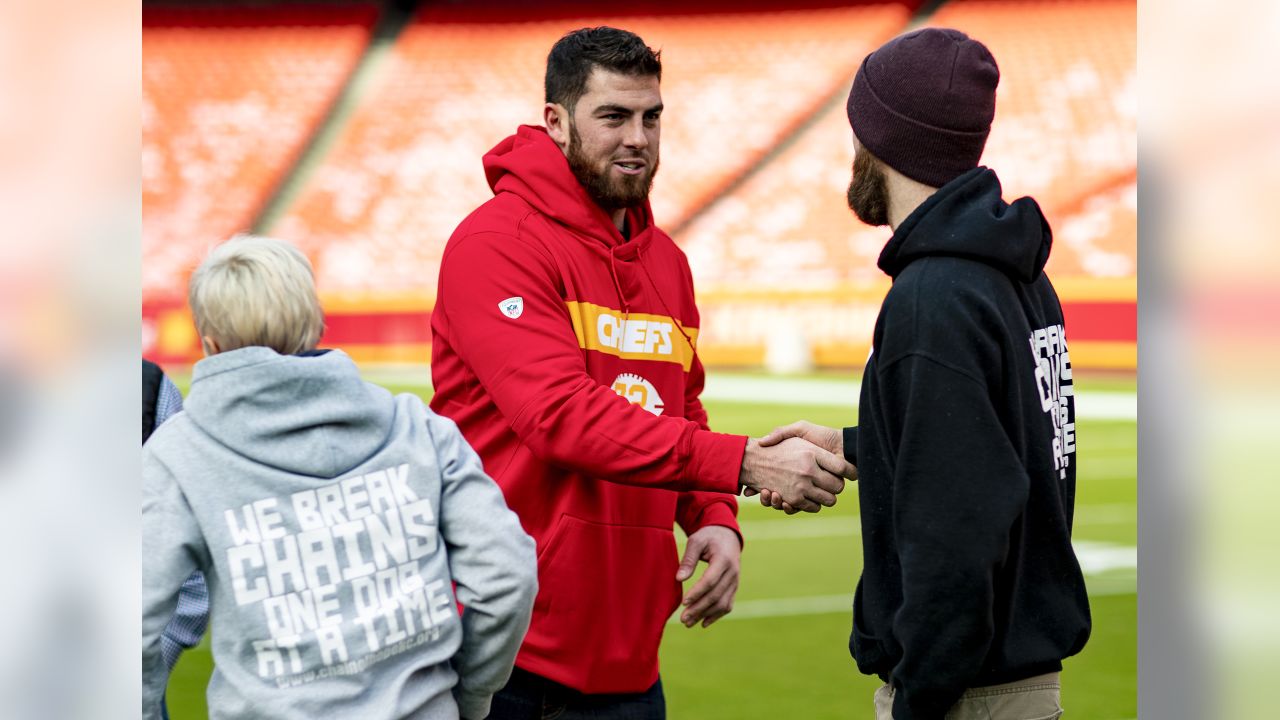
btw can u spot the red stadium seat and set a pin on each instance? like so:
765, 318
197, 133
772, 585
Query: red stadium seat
407, 168
1065, 133
230, 97
755, 159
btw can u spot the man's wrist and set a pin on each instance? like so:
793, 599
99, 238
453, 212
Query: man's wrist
711, 457
746, 473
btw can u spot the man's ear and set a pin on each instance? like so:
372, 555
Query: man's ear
556, 118
209, 345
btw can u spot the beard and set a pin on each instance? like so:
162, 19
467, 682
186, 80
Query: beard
609, 192
868, 193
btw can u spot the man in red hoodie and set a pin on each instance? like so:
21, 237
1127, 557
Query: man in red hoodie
564, 346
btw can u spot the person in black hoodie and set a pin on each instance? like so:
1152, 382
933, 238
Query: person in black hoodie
971, 595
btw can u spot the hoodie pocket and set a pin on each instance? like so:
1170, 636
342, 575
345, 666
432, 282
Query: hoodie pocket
605, 594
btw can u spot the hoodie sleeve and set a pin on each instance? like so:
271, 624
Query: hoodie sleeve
694, 509
534, 370
957, 489
171, 543
493, 564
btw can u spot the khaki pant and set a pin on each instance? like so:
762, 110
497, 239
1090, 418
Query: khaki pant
1035, 698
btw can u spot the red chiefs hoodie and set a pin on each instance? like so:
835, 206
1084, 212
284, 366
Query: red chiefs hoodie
565, 353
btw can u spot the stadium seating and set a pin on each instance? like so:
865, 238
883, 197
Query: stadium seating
230, 96
1065, 133
407, 168
756, 150
1066, 125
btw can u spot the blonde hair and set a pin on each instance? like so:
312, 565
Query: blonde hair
255, 290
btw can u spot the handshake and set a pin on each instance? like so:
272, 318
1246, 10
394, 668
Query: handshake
797, 467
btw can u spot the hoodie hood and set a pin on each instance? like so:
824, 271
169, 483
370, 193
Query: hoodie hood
968, 218
304, 415
531, 165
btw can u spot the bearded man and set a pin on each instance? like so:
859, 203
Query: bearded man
971, 595
564, 346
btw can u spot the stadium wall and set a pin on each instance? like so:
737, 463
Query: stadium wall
738, 325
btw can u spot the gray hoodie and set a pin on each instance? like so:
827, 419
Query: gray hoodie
331, 520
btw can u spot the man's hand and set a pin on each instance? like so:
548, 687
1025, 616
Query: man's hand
711, 598
829, 439
801, 474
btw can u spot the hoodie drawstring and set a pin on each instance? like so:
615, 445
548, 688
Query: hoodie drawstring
656, 291
617, 287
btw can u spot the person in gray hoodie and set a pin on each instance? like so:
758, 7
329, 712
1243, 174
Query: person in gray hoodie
333, 521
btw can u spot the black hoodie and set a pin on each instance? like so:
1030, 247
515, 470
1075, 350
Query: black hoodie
966, 457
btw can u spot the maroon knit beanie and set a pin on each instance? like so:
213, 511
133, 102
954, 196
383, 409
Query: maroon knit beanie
923, 103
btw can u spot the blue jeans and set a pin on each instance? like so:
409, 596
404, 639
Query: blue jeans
532, 697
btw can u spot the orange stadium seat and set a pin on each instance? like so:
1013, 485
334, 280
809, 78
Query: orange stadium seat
756, 151
1066, 120
787, 226
407, 168
230, 96
1065, 133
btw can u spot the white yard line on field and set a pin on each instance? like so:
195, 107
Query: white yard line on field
831, 392
1110, 569
782, 391
813, 527
1095, 557
795, 528
1103, 586
1098, 405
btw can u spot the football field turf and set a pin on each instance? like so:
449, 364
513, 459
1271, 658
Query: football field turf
783, 652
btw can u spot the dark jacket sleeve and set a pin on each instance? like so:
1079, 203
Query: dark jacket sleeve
851, 445
958, 486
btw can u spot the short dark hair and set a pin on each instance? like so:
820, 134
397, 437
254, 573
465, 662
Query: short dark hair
575, 55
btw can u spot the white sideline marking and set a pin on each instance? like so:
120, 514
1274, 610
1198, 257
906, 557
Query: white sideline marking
795, 528
777, 607
1097, 560
1109, 569
782, 391
827, 527
843, 602
1100, 405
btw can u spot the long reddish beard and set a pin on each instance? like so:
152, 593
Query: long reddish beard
868, 193
609, 192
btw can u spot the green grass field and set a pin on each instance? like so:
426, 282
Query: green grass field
783, 652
